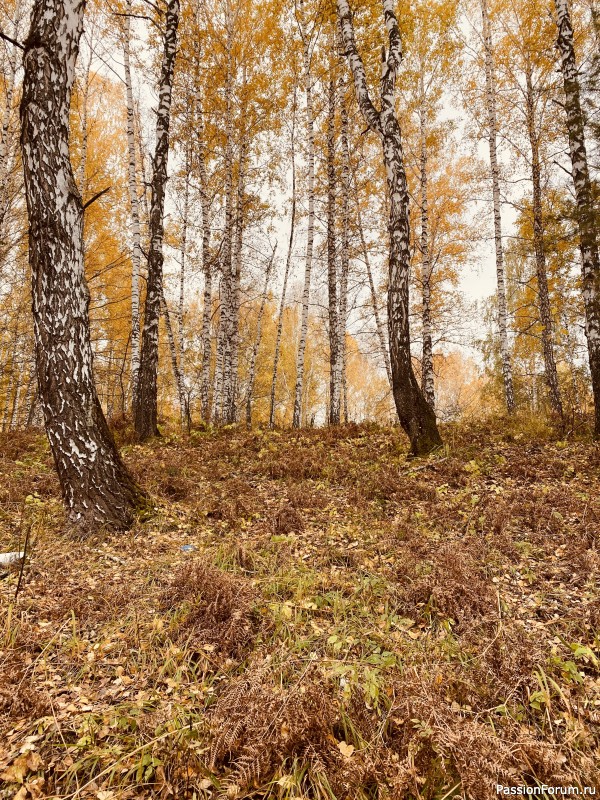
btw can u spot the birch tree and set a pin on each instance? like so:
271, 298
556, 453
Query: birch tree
540, 254
310, 235
335, 375
586, 218
97, 488
146, 402
136, 250
492, 134
415, 414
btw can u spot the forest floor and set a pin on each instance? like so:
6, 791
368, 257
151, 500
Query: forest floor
308, 615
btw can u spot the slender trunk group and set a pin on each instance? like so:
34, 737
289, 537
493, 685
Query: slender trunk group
550, 370
253, 358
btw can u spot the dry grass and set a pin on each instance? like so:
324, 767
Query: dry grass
346, 624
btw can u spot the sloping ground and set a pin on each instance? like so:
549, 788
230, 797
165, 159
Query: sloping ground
309, 615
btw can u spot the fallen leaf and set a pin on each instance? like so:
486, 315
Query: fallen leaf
346, 749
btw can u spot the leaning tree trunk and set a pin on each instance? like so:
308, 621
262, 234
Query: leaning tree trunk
286, 273
146, 404
550, 370
490, 89
586, 218
385, 353
255, 349
136, 251
172, 347
97, 488
335, 383
427, 377
414, 412
310, 130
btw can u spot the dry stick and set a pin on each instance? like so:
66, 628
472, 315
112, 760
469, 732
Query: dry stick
23, 561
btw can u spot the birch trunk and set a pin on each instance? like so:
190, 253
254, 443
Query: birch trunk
136, 251
7, 116
345, 248
586, 218
490, 87
332, 276
146, 405
231, 406
222, 388
9, 97
183, 398
427, 377
97, 488
81, 170
310, 131
206, 267
415, 414
286, 274
255, 349
550, 371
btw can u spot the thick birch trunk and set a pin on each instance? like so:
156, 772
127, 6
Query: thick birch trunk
335, 384
136, 250
586, 218
288, 262
415, 414
97, 488
310, 133
146, 405
550, 371
255, 349
490, 87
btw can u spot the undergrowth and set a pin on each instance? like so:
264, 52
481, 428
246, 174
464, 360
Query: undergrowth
309, 615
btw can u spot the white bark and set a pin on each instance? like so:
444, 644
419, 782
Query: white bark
136, 251
310, 136
586, 213
146, 404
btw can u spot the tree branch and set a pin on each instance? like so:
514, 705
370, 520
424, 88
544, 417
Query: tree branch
11, 41
96, 197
